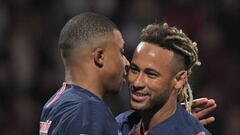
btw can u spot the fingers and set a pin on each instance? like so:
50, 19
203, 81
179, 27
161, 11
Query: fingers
201, 107
200, 102
207, 120
201, 112
201, 133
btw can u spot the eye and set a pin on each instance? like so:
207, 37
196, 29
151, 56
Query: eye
152, 74
133, 69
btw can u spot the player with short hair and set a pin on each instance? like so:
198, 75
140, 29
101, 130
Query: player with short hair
92, 49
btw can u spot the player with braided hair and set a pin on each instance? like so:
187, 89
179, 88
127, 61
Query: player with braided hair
158, 80
177, 40
92, 50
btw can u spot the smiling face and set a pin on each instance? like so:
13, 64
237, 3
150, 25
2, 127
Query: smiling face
151, 77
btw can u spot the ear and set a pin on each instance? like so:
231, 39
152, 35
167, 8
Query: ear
180, 79
98, 55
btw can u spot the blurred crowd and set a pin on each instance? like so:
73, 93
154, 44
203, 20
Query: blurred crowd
31, 69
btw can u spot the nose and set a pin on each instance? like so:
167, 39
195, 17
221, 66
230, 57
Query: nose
139, 82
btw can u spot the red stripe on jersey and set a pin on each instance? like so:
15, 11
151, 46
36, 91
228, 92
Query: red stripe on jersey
59, 93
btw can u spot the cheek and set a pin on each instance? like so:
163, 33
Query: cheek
154, 85
158, 88
131, 77
120, 67
118, 61
115, 64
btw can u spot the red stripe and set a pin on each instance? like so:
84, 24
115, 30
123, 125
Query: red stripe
59, 93
138, 131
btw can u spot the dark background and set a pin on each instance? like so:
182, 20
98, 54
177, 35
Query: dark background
31, 69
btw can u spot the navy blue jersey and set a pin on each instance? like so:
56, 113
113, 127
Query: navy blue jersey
75, 111
180, 123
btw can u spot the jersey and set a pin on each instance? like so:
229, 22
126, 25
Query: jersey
180, 123
75, 111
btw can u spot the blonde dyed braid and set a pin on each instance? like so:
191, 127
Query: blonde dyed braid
190, 49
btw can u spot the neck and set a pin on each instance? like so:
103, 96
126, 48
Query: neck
152, 118
86, 80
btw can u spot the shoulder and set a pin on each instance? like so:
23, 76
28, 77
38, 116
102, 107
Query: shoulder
72, 98
76, 108
71, 106
94, 117
180, 123
93, 114
127, 120
82, 117
188, 122
122, 117
85, 107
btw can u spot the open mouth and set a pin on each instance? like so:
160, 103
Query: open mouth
138, 96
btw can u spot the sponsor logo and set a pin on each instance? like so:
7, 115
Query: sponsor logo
44, 127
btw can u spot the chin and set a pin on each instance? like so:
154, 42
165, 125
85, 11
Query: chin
138, 106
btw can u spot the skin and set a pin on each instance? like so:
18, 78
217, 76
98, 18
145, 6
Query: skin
99, 65
115, 65
150, 77
154, 83
201, 107
93, 60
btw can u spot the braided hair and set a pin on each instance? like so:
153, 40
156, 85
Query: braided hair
177, 41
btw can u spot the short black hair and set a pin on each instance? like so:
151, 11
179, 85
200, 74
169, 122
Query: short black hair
83, 28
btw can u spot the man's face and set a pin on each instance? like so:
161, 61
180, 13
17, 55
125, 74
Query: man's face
116, 63
151, 77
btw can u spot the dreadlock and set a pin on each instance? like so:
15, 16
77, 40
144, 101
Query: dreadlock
176, 40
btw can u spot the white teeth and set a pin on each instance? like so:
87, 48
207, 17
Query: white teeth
140, 94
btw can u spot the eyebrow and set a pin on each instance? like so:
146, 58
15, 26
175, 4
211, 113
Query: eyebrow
146, 69
133, 64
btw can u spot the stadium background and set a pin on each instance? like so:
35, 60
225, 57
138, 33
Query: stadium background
31, 69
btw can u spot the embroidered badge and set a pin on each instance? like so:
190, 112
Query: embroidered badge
44, 127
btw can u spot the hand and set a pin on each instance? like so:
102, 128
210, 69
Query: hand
201, 107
